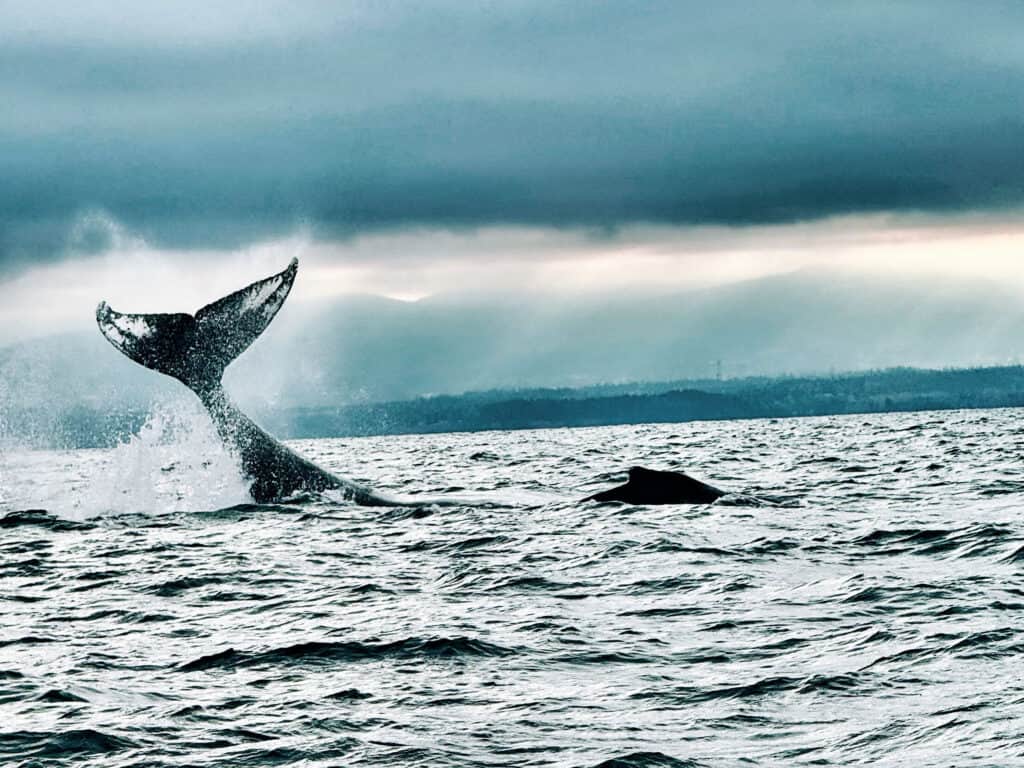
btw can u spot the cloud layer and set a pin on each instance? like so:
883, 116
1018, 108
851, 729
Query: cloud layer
203, 128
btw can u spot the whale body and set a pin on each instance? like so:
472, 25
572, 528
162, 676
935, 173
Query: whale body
196, 349
651, 486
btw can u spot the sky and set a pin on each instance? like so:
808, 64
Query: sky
159, 155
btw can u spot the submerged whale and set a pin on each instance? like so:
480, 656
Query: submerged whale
195, 350
651, 486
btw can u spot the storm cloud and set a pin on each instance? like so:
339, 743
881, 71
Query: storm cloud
213, 128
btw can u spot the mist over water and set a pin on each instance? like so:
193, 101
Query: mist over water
874, 622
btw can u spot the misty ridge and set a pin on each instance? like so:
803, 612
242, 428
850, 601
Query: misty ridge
364, 351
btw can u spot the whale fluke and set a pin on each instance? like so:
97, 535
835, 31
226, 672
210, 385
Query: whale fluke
651, 486
196, 349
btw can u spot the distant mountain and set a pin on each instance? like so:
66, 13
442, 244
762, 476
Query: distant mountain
360, 349
899, 389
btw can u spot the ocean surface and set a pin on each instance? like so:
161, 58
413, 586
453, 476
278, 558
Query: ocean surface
874, 616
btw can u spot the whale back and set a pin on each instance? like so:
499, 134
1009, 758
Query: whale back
652, 486
196, 349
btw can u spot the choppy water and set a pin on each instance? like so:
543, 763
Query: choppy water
877, 622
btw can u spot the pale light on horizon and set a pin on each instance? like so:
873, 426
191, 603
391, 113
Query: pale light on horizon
413, 264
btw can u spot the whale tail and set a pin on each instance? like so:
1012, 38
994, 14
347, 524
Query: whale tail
196, 349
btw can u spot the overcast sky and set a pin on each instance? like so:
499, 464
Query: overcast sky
152, 153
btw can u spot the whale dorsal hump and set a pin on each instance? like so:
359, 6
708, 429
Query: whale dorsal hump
652, 486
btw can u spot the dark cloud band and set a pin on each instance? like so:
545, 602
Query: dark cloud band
577, 115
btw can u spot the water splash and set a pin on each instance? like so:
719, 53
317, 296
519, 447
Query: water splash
176, 463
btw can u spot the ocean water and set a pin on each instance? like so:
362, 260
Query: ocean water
151, 617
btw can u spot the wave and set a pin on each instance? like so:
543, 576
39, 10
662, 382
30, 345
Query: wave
59, 696
349, 694
85, 741
688, 695
463, 545
176, 587
987, 644
27, 640
606, 657
1017, 556
321, 651
286, 755
974, 540
648, 760
537, 584
42, 519
689, 610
